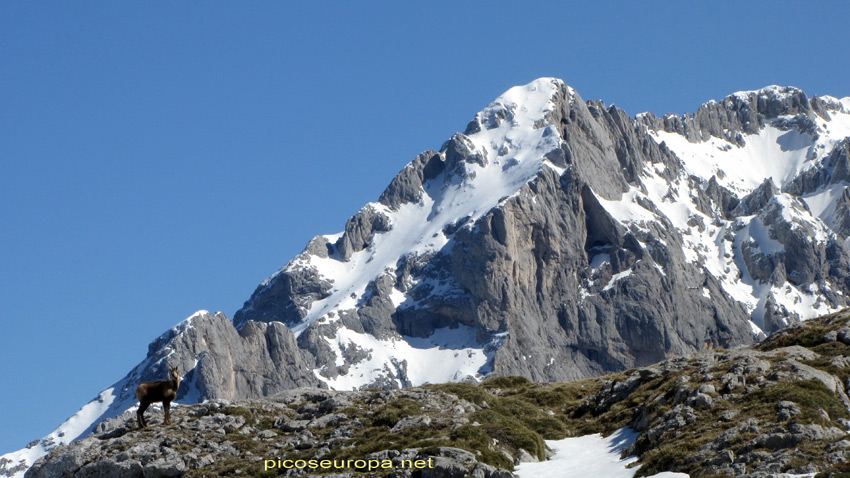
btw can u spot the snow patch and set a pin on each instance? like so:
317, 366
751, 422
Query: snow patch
599, 259
397, 297
589, 456
823, 201
617, 277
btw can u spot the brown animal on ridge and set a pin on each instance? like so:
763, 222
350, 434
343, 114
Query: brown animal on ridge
161, 391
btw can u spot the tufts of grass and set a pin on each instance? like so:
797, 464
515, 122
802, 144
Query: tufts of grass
809, 394
807, 334
243, 412
515, 384
467, 391
392, 412
840, 470
469, 437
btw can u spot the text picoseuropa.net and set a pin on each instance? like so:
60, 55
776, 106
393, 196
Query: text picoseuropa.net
359, 464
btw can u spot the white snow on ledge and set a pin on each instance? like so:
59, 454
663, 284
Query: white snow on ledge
448, 355
589, 456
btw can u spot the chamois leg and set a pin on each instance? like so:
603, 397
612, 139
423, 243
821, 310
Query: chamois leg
140, 414
167, 407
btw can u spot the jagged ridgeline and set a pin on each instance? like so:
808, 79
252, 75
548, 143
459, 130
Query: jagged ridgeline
779, 407
555, 239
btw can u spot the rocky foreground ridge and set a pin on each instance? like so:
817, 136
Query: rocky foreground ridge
778, 407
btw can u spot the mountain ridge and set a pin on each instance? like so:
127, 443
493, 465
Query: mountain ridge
555, 239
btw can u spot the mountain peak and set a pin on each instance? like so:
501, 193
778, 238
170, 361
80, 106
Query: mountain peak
521, 105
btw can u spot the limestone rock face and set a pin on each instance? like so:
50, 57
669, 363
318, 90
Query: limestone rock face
407, 186
742, 113
284, 298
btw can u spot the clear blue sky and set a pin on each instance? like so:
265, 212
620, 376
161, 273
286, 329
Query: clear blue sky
162, 157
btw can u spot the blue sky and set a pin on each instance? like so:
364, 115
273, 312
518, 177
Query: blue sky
162, 157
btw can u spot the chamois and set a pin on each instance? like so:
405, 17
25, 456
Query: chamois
160, 391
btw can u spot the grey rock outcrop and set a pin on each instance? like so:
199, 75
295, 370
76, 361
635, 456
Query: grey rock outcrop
284, 297
408, 185
835, 169
219, 361
743, 113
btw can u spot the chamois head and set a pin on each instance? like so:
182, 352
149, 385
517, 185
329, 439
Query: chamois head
175, 376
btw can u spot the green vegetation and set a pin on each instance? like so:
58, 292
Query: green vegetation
240, 412
809, 334
391, 413
810, 395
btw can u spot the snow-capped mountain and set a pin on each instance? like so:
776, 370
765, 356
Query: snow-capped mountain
554, 239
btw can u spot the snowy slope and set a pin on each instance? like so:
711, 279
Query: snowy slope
595, 456
512, 153
78, 425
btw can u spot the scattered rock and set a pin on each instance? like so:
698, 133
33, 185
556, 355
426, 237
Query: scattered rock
729, 415
407, 422
786, 410
843, 335
525, 457
703, 401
